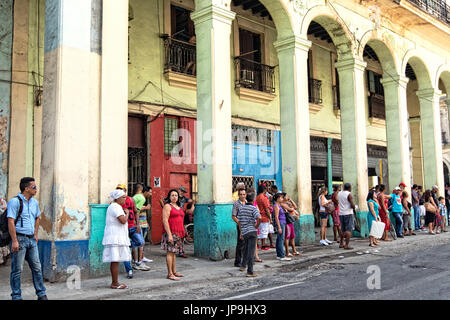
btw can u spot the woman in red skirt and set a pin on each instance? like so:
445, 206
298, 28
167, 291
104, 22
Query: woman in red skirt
383, 212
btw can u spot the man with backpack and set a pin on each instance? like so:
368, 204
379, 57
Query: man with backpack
23, 223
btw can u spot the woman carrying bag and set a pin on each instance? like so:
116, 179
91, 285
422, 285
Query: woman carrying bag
430, 209
372, 216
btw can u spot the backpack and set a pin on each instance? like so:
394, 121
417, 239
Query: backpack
5, 237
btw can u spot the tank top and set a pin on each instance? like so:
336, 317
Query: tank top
344, 205
321, 208
281, 215
176, 219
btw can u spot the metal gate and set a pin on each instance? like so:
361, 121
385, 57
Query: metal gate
248, 181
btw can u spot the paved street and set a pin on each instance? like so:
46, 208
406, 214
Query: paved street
410, 268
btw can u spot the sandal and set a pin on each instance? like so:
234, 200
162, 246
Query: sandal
172, 277
179, 275
290, 255
297, 253
120, 286
348, 248
258, 260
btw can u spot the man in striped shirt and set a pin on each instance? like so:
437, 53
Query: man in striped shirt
249, 219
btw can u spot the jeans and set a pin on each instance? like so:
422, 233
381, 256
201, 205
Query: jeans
127, 265
279, 245
249, 251
28, 250
144, 231
136, 239
417, 223
398, 223
239, 249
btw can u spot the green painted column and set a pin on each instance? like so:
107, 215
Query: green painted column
330, 165
215, 231
353, 128
295, 134
431, 138
397, 132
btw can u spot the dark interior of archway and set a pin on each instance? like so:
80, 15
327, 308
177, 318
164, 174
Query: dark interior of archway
409, 72
255, 6
370, 53
318, 31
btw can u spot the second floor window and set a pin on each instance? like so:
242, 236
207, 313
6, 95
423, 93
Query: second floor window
376, 95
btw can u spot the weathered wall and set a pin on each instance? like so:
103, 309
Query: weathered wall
6, 35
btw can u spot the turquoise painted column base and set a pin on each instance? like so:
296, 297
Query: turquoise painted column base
362, 216
214, 231
304, 230
98, 218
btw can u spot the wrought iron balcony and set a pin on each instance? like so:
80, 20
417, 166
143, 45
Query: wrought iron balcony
376, 106
436, 8
180, 56
254, 75
315, 91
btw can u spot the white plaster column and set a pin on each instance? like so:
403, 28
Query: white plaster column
353, 128
447, 102
431, 138
114, 97
397, 130
294, 120
214, 145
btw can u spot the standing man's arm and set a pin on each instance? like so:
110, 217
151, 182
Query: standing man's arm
13, 211
350, 199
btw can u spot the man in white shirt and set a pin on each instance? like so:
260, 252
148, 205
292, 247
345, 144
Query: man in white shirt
346, 207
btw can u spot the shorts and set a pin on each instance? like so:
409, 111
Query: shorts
323, 215
290, 232
263, 230
136, 239
347, 222
407, 222
335, 216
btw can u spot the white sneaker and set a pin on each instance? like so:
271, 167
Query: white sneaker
285, 259
141, 266
146, 260
130, 274
328, 241
323, 242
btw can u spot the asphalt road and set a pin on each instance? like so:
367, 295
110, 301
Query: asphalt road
418, 275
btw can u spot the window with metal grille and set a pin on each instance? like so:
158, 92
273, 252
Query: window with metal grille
170, 125
248, 181
268, 182
243, 134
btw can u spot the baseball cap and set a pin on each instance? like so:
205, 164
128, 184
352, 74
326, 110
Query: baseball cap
121, 186
397, 189
182, 189
402, 185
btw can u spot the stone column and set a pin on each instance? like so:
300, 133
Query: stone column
64, 188
397, 131
295, 131
353, 129
215, 231
114, 98
447, 102
6, 44
431, 138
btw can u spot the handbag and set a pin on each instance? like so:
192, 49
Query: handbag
329, 207
377, 229
289, 218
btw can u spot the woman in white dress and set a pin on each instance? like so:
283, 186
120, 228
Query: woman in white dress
115, 240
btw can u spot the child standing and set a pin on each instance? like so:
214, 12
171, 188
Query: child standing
444, 216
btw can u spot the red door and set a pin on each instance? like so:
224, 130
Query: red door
181, 180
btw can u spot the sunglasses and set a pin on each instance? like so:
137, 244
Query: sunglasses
33, 187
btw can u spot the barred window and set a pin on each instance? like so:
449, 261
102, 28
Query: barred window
268, 182
248, 181
243, 134
170, 125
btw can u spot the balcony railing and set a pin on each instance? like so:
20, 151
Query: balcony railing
315, 91
254, 75
376, 106
180, 56
336, 98
436, 8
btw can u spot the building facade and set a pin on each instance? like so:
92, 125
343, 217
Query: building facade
207, 93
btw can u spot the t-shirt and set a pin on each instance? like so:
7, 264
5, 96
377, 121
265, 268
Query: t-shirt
236, 207
140, 201
396, 203
415, 195
129, 204
443, 209
263, 203
247, 216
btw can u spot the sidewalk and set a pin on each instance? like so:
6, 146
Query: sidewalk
198, 270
